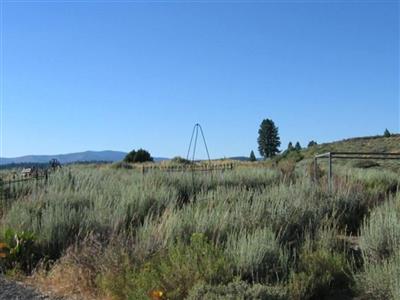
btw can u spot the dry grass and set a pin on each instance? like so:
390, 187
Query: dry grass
74, 275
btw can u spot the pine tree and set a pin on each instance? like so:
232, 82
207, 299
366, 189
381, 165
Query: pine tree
297, 147
290, 147
312, 143
268, 139
252, 156
387, 133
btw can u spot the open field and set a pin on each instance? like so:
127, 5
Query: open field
258, 231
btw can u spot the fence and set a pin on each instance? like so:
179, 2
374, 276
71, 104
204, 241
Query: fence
6, 185
349, 155
187, 168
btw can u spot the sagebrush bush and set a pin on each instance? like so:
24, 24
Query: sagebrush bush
257, 255
320, 272
237, 289
380, 233
374, 181
380, 280
180, 267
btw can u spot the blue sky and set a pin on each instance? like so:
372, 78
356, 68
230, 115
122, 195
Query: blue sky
80, 75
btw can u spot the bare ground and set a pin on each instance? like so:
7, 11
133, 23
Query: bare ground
11, 290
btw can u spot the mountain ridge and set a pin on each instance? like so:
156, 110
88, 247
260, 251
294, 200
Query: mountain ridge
105, 155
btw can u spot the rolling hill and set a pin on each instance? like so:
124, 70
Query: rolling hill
67, 158
358, 144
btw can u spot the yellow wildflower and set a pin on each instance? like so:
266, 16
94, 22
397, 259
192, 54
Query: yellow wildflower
156, 295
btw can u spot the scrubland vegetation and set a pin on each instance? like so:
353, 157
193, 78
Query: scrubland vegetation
260, 231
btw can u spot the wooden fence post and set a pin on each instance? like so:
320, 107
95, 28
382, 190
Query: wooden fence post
330, 172
1, 189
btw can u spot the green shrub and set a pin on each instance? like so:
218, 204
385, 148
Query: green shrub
373, 181
115, 269
236, 290
257, 255
380, 233
365, 164
380, 280
380, 245
180, 160
320, 273
22, 251
180, 268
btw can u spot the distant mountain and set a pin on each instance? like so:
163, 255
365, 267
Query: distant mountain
67, 158
86, 156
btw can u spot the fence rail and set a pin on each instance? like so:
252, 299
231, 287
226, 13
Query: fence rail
5, 185
349, 155
187, 168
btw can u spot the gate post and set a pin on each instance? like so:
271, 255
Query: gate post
315, 170
330, 172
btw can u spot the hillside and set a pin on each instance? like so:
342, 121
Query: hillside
359, 144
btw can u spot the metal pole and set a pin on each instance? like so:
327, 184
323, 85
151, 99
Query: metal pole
190, 144
205, 144
195, 141
330, 172
349, 155
315, 170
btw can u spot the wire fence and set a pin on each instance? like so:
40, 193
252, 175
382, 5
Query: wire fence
187, 168
9, 189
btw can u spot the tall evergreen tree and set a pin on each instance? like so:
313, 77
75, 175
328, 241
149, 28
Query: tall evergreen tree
312, 143
252, 156
268, 139
297, 147
290, 147
387, 133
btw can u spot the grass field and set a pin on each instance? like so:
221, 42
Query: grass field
259, 231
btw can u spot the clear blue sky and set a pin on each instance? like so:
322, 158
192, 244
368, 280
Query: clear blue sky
94, 76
